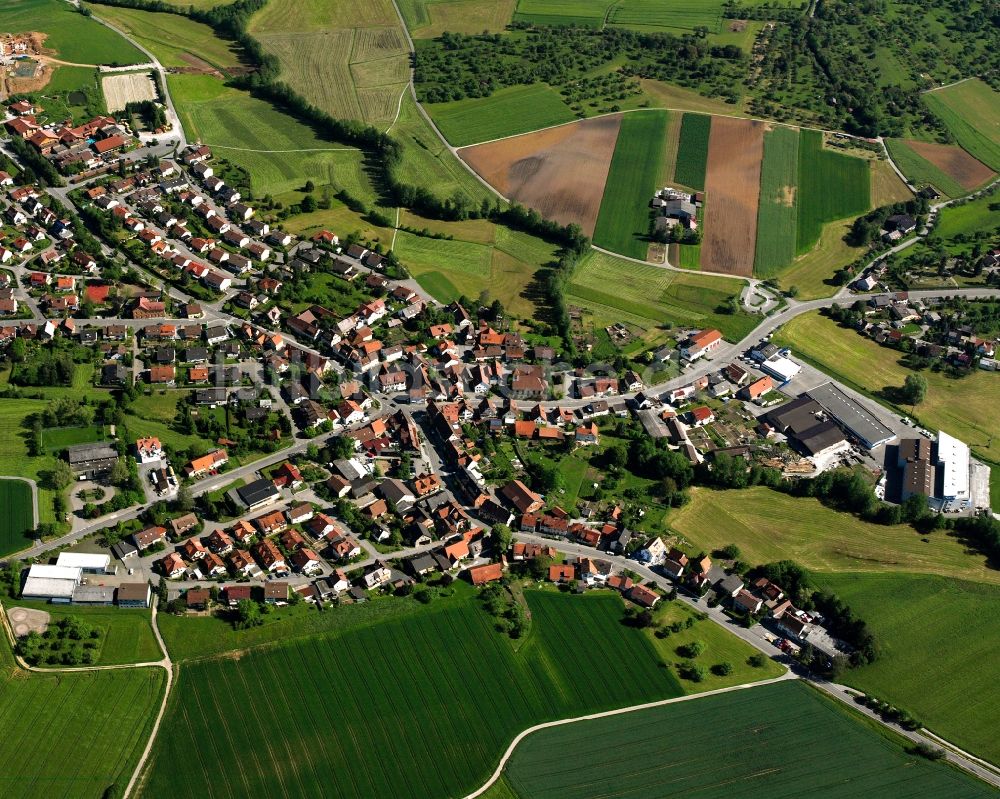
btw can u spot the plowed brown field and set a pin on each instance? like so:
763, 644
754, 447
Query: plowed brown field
559, 172
954, 162
732, 188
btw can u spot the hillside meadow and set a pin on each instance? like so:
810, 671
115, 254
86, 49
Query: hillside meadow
445, 672
970, 110
71, 35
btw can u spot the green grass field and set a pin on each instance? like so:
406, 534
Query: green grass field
126, 634
920, 171
832, 186
507, 112
427, 19
56, 439
76, 735
581, 13
768, 526
967, 218
937, 639
739, 740
403, 697
692, 154
777, 212
971, 111
280, 153
176, 41
667, 15
74, 37
962, 407
623, 221
612, 290
16, 517
14, 458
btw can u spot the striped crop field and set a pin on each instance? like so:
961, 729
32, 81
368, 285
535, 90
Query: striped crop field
692, 154
832, 186
623, 221
420, 707
738, 740
668, 15
971, 111
16, 517
777, 212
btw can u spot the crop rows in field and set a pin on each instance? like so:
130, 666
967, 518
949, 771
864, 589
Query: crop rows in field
692, 152
740, 740
16, 516
668, 14
777, 212
72, 735
582, 13
421, 708
831, 186
623, 221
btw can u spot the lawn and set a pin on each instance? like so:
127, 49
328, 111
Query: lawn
280, 153
61, 96
613, 290
16, 517
73, 735
153, 415
422, 706
623, 221
74, 37
126, 634
739, 740
920, 171
965, 407
937, 639
56, 439
832, 186
971, 112
777, 212
692, 154
176, 41
967, 218
769, 526
506, 112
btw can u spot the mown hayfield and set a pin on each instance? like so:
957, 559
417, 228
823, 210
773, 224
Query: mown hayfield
732, 189
72, 36
613, 290
808, 272
739, 740
581, 13
937, 638
423, 254
365, 693
16, 516
507, 112
671, 97
427, 19
919, 170
176, 41
667, 15
561, 172
971, 112
831, 186
623, 221
692, 153
73, 735
777, 213
280, 153
768, 526
962, 407
887, 186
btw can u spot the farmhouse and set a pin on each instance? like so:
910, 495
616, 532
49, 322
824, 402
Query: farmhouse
700, 344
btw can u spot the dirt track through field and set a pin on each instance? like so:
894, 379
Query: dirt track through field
732, 190
559, 172
957, 164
